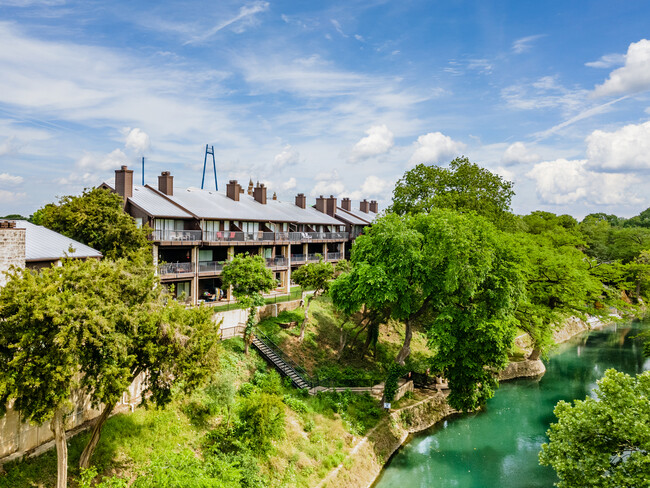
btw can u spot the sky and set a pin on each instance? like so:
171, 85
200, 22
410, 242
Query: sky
337, 97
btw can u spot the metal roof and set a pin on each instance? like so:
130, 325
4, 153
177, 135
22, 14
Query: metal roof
366, 218
42, 244
343, 214
156, 205
214, 205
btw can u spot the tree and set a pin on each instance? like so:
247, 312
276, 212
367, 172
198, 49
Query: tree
87, 329
463, 186
97, 219
603, 441
249, 277
454, 274
312, 276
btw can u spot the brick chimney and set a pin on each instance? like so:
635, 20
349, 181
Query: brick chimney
250, 187
166, 183
345, 204
233, 189
275, 196
301, 200
124, 182
259, 193
373, 206
321, 204
364, 206
331, 206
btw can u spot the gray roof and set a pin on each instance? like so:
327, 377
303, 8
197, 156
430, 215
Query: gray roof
43, 244
348, 217
365, 218
155, 204
214, 205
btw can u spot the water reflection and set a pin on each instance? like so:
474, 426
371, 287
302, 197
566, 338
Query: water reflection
498, 447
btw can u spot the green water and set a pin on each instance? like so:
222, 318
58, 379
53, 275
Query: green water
498, 447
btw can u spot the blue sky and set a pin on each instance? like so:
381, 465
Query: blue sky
328, 97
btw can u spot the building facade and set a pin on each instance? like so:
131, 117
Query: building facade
196, 231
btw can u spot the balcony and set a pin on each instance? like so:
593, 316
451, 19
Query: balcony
298, 258
173, 269
176, 235
272, 237
211, 266
333, 256
276, 262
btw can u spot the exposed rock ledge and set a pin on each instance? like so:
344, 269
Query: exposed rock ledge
528, 368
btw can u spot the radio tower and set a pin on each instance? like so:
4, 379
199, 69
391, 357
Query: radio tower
210, 150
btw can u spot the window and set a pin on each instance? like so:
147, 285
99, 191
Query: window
205, 255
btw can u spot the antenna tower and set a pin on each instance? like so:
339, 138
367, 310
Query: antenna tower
142, 170
210, 150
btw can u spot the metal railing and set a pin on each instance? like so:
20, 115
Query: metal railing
298, 258
314, 257
174, 268
332, 256
176, 235
276, 261
236, 236
210, 266
300, 371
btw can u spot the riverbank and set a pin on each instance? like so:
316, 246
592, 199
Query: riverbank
366, 460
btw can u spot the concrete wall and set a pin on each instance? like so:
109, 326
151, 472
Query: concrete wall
18, 439
232, 318
12, 250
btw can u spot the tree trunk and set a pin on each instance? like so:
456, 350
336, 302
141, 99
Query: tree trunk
304, 321
534, 356
84, 460
246, 344
406, 347
58, 429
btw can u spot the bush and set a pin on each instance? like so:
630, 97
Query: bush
262, 417
295, 404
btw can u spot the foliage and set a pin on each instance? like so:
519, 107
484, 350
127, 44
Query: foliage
312, 276
603, 441
462, 186
90, 328
391, 384
249, 277
263, 415
97, 219
457, 275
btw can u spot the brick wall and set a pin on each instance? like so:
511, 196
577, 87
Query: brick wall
12, 249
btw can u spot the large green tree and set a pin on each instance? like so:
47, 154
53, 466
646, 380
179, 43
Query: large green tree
462, 186
97, 219
603, 441
87, 329
249, 278
454, 274
316, 277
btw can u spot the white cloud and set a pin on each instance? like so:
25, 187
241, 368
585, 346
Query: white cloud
518, 153
137, 140
607, 61
10, 196
378, 141
288, 157
435, 147
525, 43
546, 92
633, 77
7, 179
290, 184
624, 150
338, 28
372, 187
9, 146
244, 18
110, 161
563, 182
327, 183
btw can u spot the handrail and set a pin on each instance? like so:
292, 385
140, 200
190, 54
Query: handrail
300, 371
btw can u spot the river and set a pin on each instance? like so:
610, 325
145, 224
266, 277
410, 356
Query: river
498, 446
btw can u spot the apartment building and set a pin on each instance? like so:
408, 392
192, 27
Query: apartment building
196, 231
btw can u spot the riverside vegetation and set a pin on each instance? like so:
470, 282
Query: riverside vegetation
444, 280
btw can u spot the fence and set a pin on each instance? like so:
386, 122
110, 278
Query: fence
237, 236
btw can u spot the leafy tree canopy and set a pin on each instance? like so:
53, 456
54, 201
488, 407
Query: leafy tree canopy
91, 327
603, 441
97, 219
249, 278
463, 186
454, 274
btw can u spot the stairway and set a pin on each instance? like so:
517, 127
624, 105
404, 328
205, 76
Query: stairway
280, 364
